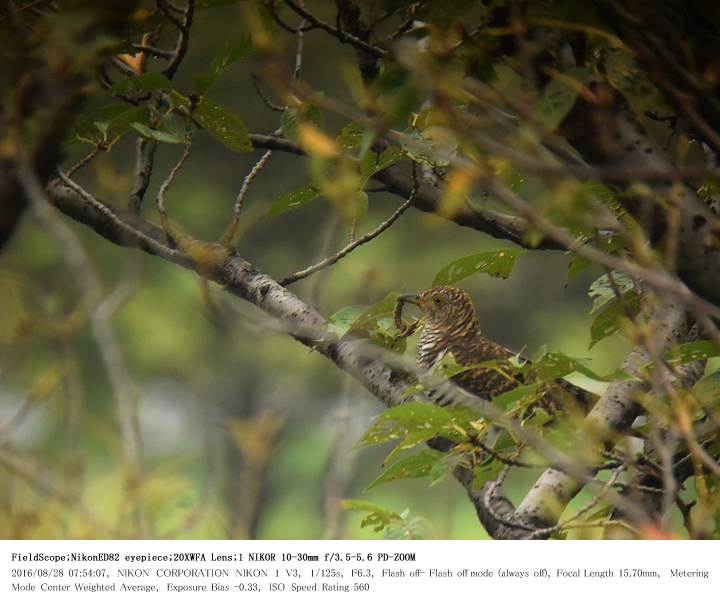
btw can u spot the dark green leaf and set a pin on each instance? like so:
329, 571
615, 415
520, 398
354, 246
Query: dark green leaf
229, 53
609, 320
558, 97
223, 124
113, 121
350, 136
293, 200
497, 263
141, 83
375, 162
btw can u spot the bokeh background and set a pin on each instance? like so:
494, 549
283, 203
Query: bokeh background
245, 432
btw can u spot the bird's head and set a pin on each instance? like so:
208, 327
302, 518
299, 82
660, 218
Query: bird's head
445, 306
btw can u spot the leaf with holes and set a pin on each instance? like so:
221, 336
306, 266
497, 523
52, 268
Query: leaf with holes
351, 136
496, 263
416, 422
223, 124
377, 517
692, 351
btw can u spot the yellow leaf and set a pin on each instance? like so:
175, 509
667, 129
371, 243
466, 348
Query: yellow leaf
313, 140
459, 184
46, 383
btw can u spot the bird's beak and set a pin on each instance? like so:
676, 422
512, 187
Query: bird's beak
413, 299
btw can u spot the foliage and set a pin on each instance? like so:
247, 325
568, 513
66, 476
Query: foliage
556, 127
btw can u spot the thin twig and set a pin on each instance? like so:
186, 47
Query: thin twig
183, 39
144, 162
263, 97
231, 230
154, 51
171, 176
127, 230
340, 35
86, 160
331, 260
286, 26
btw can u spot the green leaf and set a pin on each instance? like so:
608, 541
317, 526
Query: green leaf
554, 365
412, 467
293, 200
341, 321
447, 366
558, 97
486, 472
519, 397
434, 146
497, 263
168, 132
417, 528
122, 124
601, 291
109, 122
350, 136
376, 324
415, 422
610, 319
378, 517
692, 351
707, 390
141, 83
375, 162
229, 53
223, 124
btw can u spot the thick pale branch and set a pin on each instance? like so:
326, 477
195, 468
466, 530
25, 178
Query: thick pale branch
612, 415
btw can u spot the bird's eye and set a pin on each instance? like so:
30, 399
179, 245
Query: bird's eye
437, 299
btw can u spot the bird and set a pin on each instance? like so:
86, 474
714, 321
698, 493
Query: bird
450, 325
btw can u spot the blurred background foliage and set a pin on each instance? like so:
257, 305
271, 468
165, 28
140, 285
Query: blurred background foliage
245, 433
